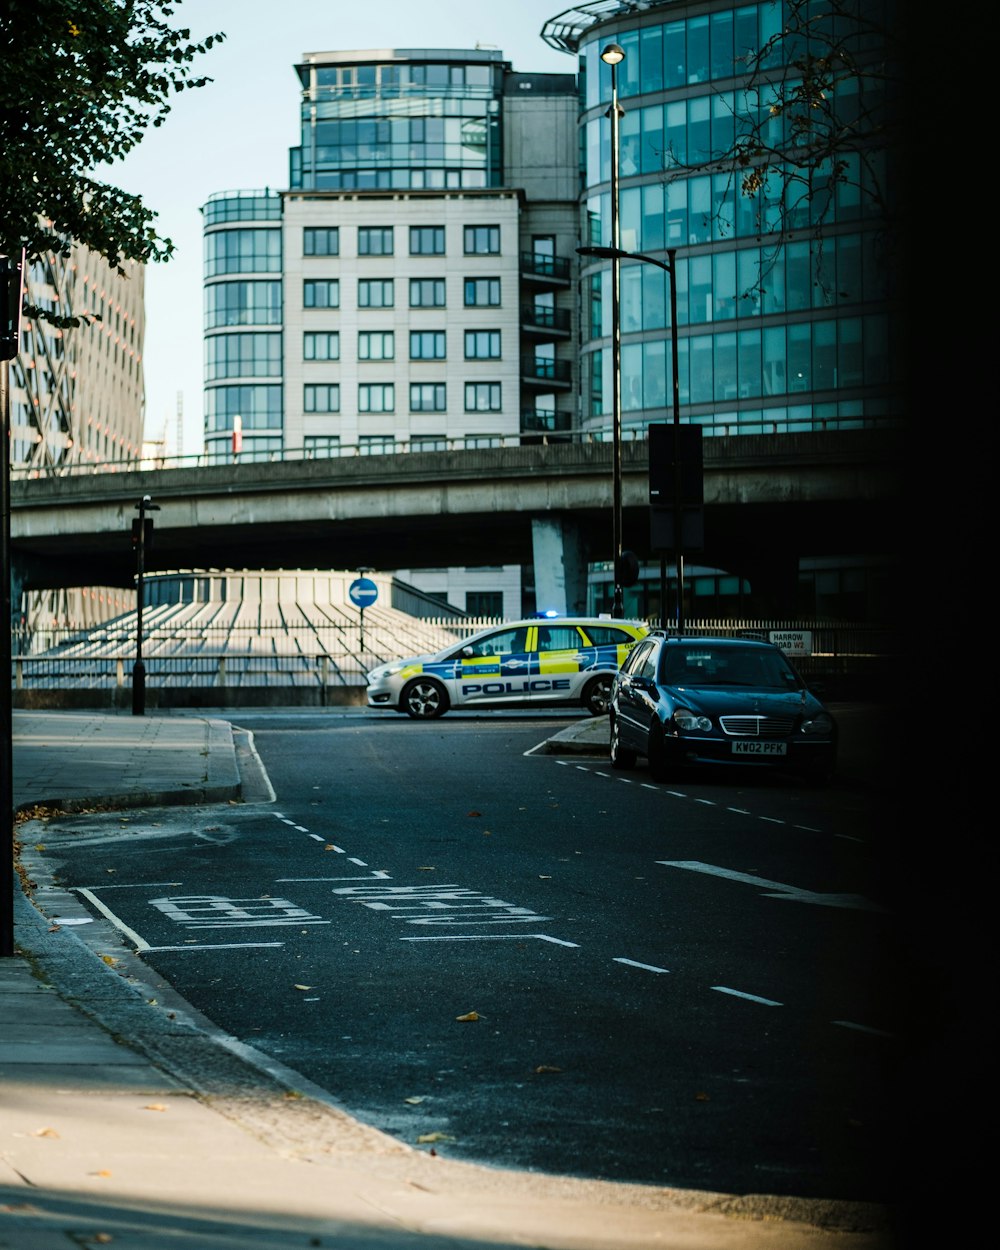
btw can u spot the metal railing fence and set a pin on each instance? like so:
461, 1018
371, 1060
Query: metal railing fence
773, 420
331, 656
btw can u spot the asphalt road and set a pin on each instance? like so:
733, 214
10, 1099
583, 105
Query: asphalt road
529, 960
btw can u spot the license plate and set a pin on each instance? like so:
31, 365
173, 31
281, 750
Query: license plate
759, 748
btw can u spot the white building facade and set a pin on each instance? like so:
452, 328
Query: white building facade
412, 289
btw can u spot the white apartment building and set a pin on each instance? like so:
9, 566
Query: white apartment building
412, 289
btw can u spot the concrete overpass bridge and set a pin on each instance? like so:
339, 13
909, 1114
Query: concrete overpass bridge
769, 499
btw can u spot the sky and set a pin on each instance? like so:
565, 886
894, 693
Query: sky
235, 132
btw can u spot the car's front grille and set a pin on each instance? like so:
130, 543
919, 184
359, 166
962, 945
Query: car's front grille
757, 726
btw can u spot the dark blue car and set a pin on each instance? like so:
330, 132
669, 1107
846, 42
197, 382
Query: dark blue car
724, 701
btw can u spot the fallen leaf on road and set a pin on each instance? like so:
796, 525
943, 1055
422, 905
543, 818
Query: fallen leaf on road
413, 1101
155, 1106
39, 846
469, 1015
702, 1098
45, 1132
109, 960
426, 1138
102, 1172
303, 987
545, 1067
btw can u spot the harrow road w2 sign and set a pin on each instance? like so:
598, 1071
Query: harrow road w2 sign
793, 641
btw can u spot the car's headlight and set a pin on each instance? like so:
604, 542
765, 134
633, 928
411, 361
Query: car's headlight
387, 670
821, 723
687, 720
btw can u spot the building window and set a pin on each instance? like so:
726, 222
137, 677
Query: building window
427, 344
484, 602
427, 240
376, 345
427, 293
320, 446
375, 293
242, 251
482, 345
321, 293
482, 292
321, 345
482, 240
242, 304
376, 397
428, 442
427, 397
243, 355
259, 407
321, 397
375, 445
321, 241
482, 397
374, 240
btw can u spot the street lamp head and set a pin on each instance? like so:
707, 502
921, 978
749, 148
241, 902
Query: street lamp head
613, 54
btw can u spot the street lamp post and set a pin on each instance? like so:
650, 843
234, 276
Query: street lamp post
612, 56
12, 270
616, 255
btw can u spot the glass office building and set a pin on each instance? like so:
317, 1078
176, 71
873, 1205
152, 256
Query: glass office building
772, 338
787, 314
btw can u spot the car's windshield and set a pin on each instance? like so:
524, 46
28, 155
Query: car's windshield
504, 642
727, 666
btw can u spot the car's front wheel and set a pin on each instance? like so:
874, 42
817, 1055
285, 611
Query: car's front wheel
621, 757
597, 695
424, 698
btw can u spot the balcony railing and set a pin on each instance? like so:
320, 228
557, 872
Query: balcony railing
551, 268
545, 420
546, 320
557, 372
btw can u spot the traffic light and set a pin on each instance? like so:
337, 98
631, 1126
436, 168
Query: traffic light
676, 487
11, 297
147, 536
627, 569
669, 444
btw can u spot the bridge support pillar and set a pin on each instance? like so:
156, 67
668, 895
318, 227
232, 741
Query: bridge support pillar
559, 554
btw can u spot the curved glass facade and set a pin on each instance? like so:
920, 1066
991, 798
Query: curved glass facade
400, 123
783, 305
243, 323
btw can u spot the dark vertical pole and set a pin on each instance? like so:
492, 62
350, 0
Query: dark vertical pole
678, 500
12, 269
7, 706
618, 606
138, 668
663, 592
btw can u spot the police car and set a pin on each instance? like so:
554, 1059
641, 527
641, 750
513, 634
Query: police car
529, 663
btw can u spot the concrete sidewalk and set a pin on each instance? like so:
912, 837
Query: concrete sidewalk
163, 1133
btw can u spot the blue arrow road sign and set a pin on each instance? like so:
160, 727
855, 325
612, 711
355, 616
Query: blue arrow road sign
363, 592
